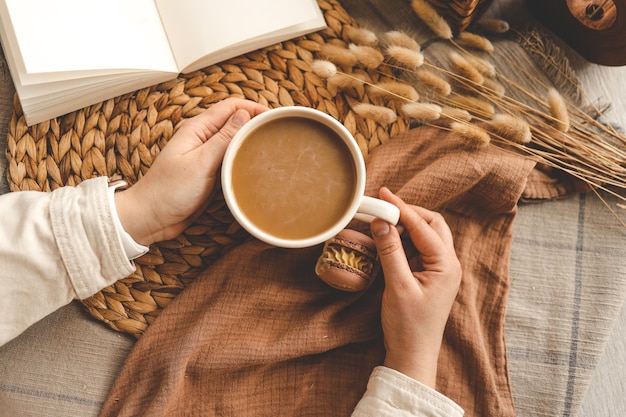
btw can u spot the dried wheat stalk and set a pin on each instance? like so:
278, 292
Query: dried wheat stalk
551, 131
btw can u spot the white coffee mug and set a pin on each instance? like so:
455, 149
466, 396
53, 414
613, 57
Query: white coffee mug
361, 207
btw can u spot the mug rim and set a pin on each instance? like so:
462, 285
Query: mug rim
273, 114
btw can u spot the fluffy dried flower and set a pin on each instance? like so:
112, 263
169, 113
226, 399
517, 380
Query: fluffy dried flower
323, 68
463, 67
380, 114
472, 40
404, 56
361, 36
510, 127
476, 137
367, 56
433, 81
454, 114
422, 112
491, 86
399, 38
338, 54
473, 105
394, 89
495, 26
485, 67
342, 80
558, 110
431, 18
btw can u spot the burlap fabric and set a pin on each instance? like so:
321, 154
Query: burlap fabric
258, 334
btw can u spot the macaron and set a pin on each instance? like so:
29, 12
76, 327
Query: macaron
348, 262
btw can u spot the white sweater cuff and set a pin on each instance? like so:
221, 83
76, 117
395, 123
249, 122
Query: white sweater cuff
88, 242
133, 249
391, 393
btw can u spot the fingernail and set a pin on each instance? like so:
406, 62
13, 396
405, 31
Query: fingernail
380, 228
240, 118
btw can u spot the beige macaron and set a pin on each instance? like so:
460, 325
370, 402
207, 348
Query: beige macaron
348, 261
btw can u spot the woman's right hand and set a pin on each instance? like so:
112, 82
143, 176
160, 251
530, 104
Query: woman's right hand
176, 189
416, 302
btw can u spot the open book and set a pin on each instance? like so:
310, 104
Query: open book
67, 54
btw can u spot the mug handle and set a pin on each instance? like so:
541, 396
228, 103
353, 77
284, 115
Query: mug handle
371, 208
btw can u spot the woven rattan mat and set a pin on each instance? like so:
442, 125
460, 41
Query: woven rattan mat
121, 137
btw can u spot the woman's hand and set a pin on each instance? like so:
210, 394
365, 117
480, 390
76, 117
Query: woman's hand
416, 302
179, 184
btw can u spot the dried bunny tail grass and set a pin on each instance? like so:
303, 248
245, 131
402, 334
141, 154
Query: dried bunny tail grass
454, 114
484, 67
361, 36
342, 80
366, 55
380, 114
466, 70
433, 81
431, 18
493, 26
558, 110
474, 41
338, 54
513, 128
423, 112
394, 89
476, 137
493, 87
399, 38
323, 68
473, 105
405, 57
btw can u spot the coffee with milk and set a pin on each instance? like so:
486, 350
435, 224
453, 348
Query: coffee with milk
293, 177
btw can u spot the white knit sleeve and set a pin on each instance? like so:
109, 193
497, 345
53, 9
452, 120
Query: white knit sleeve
391, 393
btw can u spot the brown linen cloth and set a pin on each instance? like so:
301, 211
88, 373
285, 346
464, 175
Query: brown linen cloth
259, 334
546, 183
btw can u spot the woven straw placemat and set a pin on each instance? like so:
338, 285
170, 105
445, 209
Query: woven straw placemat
121, 137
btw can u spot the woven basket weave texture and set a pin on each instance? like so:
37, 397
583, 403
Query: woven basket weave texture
121, 137
460, 13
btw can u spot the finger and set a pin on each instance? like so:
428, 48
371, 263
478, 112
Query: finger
437, 223
214, 148
391, 254
426, 239
209, 122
